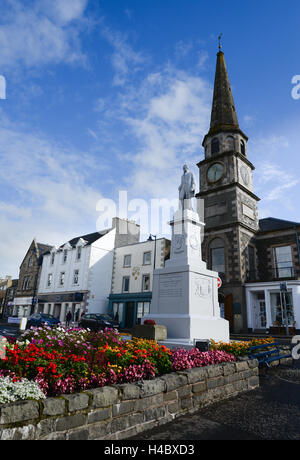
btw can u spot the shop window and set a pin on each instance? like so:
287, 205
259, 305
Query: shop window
118, 309
143, 309
279, 304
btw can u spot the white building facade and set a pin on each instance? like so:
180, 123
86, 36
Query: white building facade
132, 279
77, 277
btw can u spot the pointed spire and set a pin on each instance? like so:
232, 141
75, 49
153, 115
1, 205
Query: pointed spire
223, 116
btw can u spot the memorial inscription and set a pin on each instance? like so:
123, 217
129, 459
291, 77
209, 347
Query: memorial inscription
171, 286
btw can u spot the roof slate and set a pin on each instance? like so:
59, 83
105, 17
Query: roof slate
271, 224
89, 238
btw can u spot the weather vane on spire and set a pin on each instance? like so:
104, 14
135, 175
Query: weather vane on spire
220, 38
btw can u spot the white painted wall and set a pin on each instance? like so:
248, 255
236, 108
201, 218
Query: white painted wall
95, 272
68, 267
136, 251
100, 273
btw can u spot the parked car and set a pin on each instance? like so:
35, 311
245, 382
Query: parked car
10, 333
42, 319
98, 322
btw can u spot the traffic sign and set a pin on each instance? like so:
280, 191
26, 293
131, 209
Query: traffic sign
219, 282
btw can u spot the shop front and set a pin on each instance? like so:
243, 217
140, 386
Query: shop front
269, 308
129, 309
59, 305
22, 306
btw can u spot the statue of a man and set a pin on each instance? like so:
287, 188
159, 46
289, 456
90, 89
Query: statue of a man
187, 188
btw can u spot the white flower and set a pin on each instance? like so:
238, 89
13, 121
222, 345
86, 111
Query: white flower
23, 390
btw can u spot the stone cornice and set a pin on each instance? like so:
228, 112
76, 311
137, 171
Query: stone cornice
225, 187
222, 155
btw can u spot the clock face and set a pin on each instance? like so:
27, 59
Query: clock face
245, 175
215, 172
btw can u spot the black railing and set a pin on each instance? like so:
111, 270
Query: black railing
272, 273
280, 272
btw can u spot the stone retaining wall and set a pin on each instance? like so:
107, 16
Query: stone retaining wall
121, 411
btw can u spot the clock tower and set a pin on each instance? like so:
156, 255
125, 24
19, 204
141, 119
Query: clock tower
230, 205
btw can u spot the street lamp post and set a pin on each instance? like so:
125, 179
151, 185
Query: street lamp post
153, 238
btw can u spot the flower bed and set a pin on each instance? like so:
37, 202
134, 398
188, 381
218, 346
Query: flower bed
239, 348
64, 361
11, 391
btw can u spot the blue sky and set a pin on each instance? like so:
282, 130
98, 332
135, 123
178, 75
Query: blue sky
109, 95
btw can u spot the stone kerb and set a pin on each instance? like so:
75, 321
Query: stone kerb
121, 411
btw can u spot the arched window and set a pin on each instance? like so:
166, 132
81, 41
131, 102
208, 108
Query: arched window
230, 143
243, 147
215, 146
217, 256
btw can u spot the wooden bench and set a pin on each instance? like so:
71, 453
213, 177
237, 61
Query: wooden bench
267, 353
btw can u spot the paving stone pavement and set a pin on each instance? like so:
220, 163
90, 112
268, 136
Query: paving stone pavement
270, 412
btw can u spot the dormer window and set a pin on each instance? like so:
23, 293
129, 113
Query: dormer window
243, 148
65, 256
215, 146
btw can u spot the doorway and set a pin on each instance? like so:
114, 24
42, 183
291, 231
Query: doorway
57, 309
228, 311
259, 310
129, 316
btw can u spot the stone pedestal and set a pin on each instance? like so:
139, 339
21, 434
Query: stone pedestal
185, 293
157, 332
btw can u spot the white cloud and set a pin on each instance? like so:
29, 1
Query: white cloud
279, 180
64, 11
276, 178
183, 48
125, 60
41, 32
203, 57
168, 117
49, 193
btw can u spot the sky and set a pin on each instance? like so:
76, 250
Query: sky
103, 96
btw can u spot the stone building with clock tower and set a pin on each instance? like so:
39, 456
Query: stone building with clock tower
230, 204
